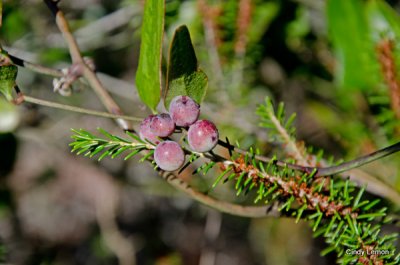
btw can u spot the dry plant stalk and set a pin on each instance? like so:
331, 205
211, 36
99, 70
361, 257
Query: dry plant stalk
386, 59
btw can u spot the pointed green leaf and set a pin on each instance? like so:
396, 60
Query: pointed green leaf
148, 76
350, 33
184, 77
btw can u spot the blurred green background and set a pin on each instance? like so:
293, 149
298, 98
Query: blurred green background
319, 57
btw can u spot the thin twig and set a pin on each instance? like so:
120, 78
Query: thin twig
225, 207
88, 73
106, 99
36, 67
324, 171
62, 24
77, 109
119, 87
363, 160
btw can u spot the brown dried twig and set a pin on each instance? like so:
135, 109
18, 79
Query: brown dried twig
242, 25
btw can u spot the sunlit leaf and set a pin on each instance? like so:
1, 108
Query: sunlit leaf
148, 76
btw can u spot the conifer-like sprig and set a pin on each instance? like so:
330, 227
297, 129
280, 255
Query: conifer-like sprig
335, 208
281, 130
112, 146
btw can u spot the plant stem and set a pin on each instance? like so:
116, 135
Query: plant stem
226, 207
62, 24
36, 67
77, 109
363, 160
265, 158
106, 99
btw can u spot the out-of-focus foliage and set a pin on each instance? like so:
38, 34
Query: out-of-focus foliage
9, 117
349, 30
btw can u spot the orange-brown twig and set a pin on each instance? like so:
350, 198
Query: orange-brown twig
302, 193
388, 65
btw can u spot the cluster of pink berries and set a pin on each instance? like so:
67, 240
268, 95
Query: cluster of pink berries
183, 112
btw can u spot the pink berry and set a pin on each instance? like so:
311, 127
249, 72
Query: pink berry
169, 156
202, 136
162, 125
145, 132
184, 111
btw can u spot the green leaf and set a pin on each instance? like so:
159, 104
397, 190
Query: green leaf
184, 77
148, 76
349, 30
